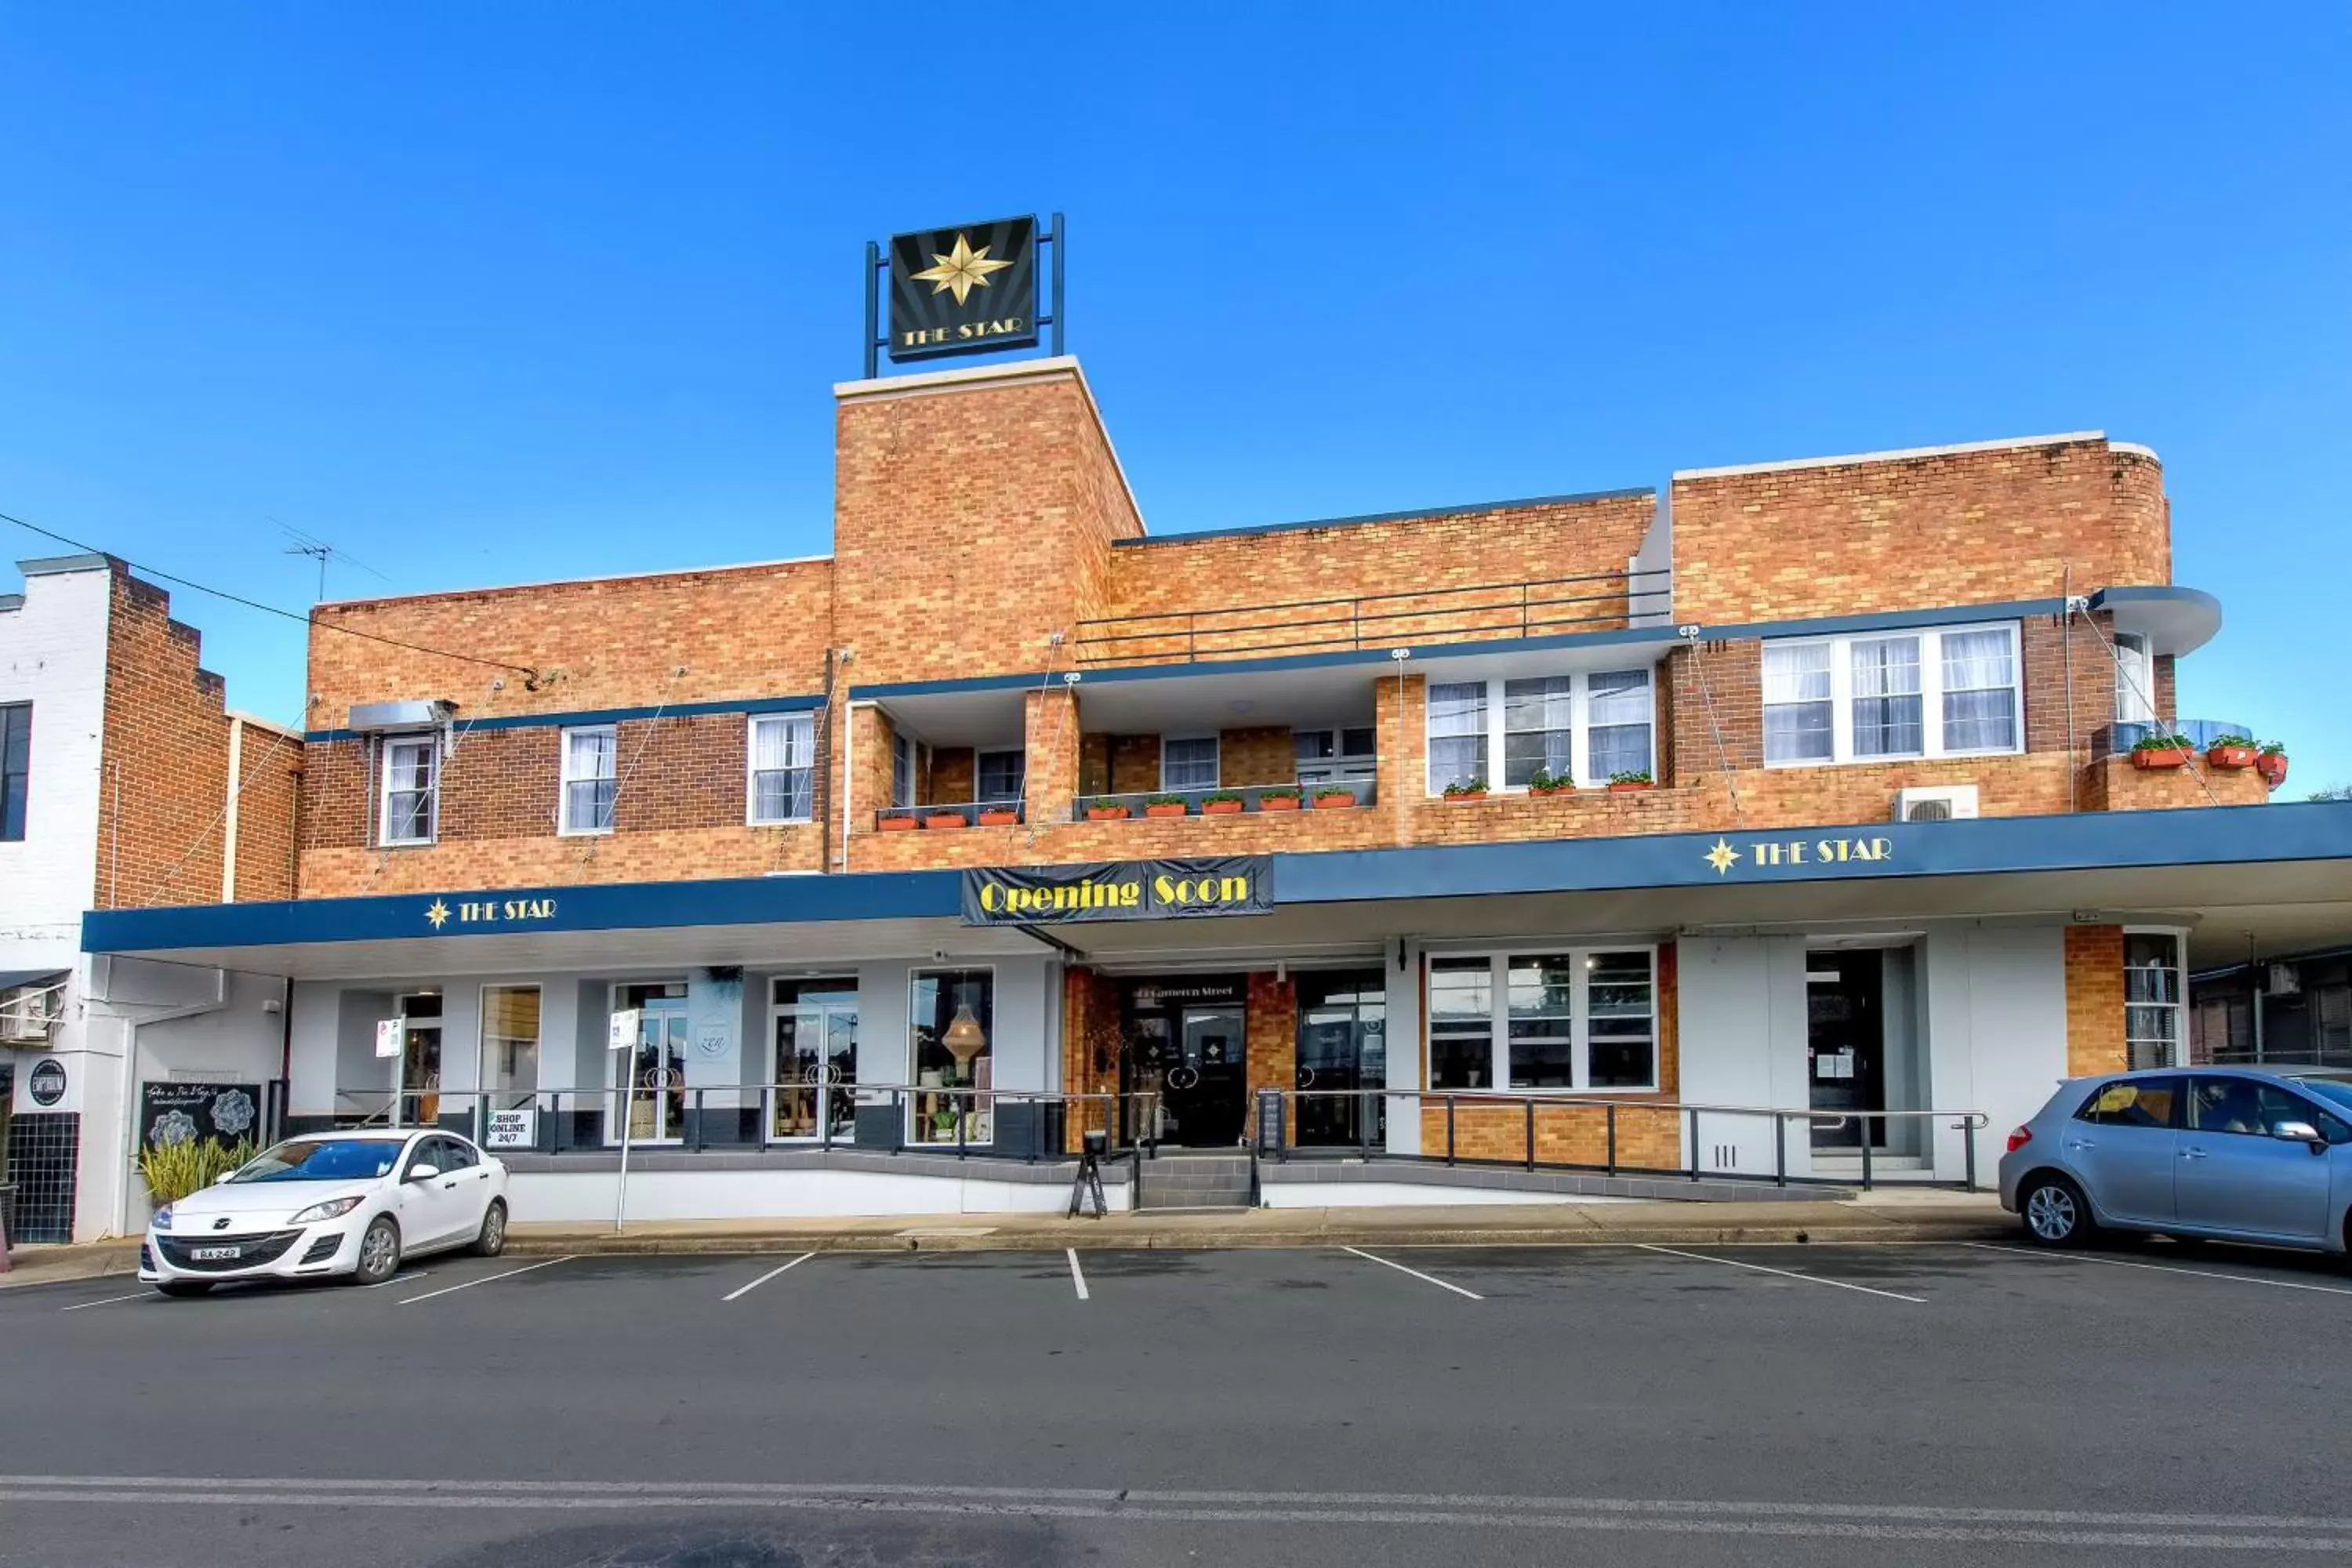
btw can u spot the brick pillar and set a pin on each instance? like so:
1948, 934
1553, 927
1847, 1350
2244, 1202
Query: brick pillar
871, 734
1050, 733
1401, 771
2094, 1000
1270, 1036
1090, 1044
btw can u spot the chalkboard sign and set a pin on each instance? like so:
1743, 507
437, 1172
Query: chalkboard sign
1269, 1122
221, 1113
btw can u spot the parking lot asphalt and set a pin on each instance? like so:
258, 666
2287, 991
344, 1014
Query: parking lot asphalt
1932, 1403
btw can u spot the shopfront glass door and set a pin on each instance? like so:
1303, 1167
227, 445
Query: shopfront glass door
816, 1059
1342, 1051
649, 1081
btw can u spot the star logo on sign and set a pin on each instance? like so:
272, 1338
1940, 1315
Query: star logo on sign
438, 913
1723, 857
961, 269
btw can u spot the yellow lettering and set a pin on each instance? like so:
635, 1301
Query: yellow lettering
1164, 889
1130, 895
1234, 891
1881, 849
988, 898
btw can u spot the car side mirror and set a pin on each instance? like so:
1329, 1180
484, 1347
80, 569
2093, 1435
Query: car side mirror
422, 1171
2299, 1132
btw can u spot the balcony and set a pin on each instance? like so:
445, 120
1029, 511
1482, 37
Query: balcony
2202, 733
1228, 801
939, 817
1608, 601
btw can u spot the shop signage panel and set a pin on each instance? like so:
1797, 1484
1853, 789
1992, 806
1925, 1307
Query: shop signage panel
176, 1112
965, 291
516, 1129
1186, 991
44, 1086
1119, 890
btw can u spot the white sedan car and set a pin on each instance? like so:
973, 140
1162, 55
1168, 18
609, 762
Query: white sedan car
332, 1204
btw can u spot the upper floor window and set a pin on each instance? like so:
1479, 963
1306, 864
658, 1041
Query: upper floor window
589, 788
2135, 681
1188, 762
16, 766
998, 777
783, 768
1585, 729
412, 778
1949, 692
903, 770
1327, 756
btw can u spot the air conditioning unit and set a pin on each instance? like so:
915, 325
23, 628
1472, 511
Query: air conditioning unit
1936, 803
2285, 980
29, 1013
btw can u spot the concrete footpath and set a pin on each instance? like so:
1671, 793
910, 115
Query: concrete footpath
1880, 1217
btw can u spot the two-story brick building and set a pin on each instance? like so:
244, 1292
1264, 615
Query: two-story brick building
1797, 787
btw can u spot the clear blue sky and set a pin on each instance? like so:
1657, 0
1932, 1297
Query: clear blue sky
485, 294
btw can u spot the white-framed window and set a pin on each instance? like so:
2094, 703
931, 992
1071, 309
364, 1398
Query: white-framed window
510, 1033
904, 770
1944, 692
1188, 762
997, 777
1584, 729
412, 781
1565, 1019
2153, 991
589, 786
2135, 679
1328, 756
782, 757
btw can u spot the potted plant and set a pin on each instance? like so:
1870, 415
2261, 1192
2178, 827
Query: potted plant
2157, 750
2271, 762
1332, 797
1547, 782
2231, 753
1224, 802
1106, 810
1630, 779
897, 822
944, 819
1283, 799
1165, 805
1000, 817
1466, 789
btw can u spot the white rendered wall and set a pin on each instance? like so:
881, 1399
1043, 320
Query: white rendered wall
1996, 1010
53, 655
1741, 1029
587, 1197
1405, 1194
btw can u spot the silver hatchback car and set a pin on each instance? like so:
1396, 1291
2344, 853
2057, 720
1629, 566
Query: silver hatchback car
2234, 1154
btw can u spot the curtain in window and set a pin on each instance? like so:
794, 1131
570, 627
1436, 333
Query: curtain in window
783, 779
409, 802
1980, 691
1538, 729
2135, 682
1189, 764
1798, 722
588, 786
1000, 778
1618, 708
1887, 708
1457, 733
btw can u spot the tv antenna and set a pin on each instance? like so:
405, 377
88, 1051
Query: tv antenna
321, 551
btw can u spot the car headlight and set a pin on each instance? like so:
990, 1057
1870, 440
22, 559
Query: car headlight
334, 1209
163, 1217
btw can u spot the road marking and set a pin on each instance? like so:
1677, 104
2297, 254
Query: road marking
485, 1279
109, 1302
1785, 1273
1077, 1275
2159, 1267
397, 1280
1430, 1279
763, 1279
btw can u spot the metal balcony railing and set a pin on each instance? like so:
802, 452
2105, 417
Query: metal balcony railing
2202, 733
958, 814
1204, 801
1604, 601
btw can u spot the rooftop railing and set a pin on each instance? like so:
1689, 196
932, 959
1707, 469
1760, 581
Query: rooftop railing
1603, 601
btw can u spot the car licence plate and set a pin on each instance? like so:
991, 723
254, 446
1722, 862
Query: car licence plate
213, 1254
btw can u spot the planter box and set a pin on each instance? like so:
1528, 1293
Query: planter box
1221, 808
1556, 789
2168, 757
945, 819
897, 825
2271, 766
1106, 814
1629, 788
2231, 758
1278, 803
1000, 819
1334, 802
1167, 811
1465, 794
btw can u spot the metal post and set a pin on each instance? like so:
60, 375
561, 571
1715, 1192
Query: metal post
1612, 1137
1864, 1120
957, 1105
1691, 1136
1449, 1130
1364, 1123
1780, 1150
873, 302
898, 1122
628, 1104
1967, 1151
694, 1139
1531, 1133
1061, 225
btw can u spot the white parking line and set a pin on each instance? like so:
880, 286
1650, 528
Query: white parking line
1077, 1275
2159, 1267
763, 1279
109, 1302
485, 1279
1785, 1273
397, 1280
1428, 1278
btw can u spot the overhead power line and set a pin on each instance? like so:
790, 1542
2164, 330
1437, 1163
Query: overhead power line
530, 676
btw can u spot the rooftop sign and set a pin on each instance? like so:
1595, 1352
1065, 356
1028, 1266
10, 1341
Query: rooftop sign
964, 290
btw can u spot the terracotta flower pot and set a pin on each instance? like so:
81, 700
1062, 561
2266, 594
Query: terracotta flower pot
945, 819
2271, 766
1278, 803
1221, 808
1459, 794
2231, 759
1106, 814
2158, 759
897, 825
1334, 802
1627, 788
1176, 810
1550, 790
1005, 818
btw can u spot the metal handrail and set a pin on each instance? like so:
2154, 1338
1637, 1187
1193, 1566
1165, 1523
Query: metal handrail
968, 810
1253, 796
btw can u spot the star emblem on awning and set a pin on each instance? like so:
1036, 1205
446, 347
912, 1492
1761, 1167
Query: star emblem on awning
438, 913
1723, 857
961, 269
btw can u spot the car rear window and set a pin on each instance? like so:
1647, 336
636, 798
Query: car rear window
2133, 1103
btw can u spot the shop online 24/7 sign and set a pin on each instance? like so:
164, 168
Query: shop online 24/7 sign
1123, 890
964, 290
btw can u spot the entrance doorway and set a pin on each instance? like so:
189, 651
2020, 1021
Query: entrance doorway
1845, 1046
1186, 1040
1342, 1049
420, 1060
815, 1027
648, 1081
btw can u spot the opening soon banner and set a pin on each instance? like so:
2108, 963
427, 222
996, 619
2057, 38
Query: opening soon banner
1119, 891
